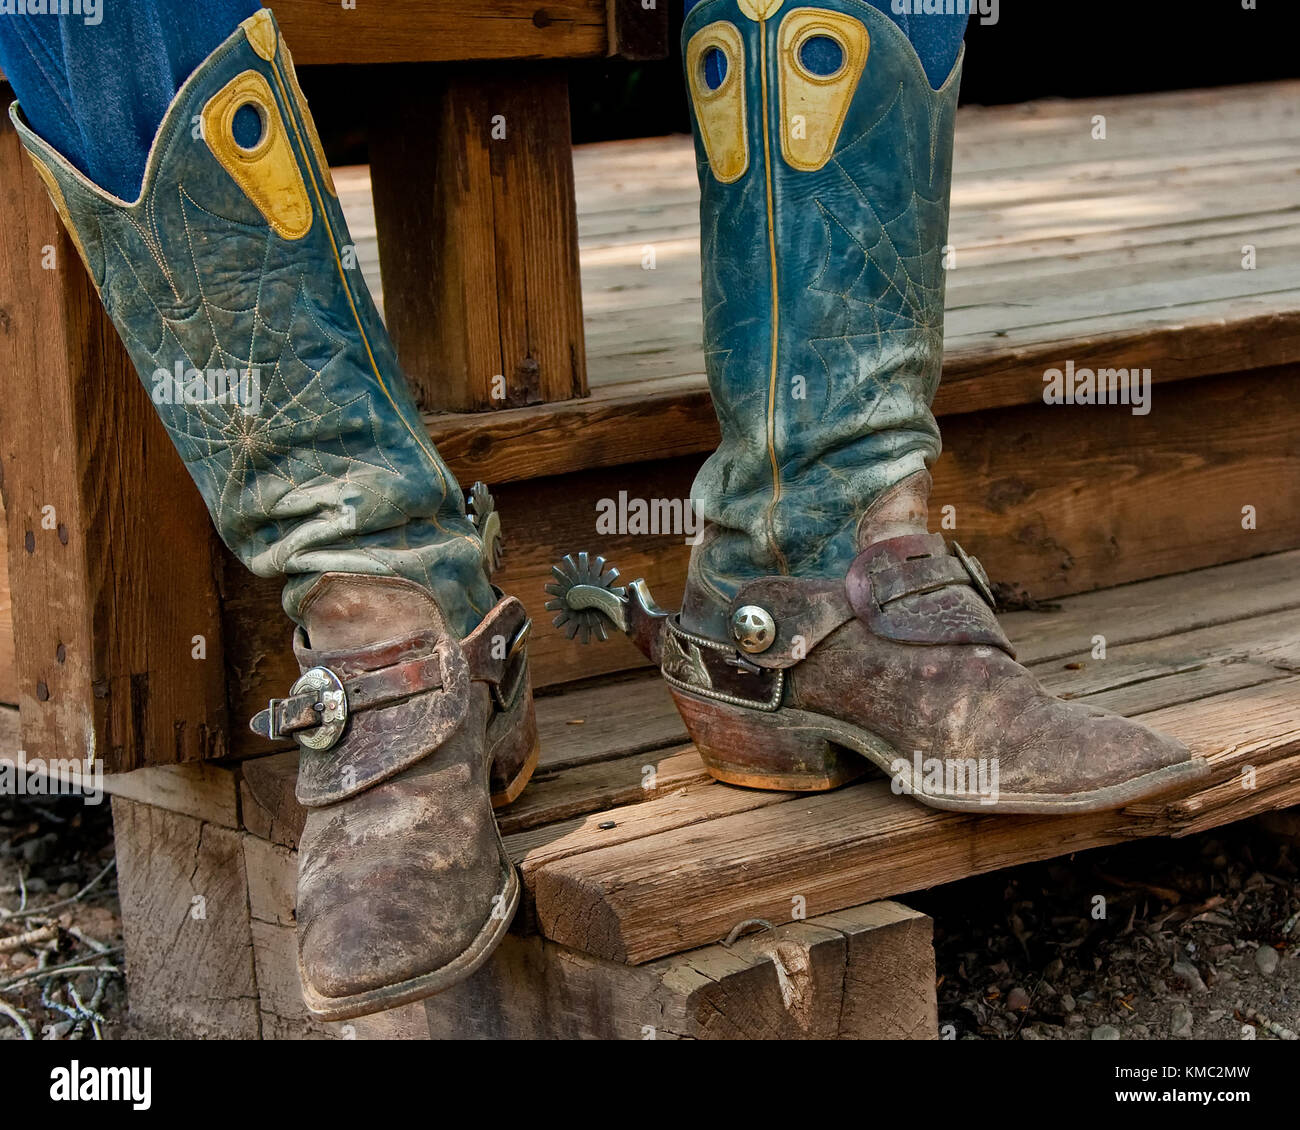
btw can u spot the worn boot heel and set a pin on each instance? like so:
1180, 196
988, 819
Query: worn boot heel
514, 746
760, 750
512, 741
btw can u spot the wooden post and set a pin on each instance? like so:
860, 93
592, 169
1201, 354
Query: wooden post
638, 29
110, 545
478, 234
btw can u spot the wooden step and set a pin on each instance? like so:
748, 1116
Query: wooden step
630, 852
1126, 251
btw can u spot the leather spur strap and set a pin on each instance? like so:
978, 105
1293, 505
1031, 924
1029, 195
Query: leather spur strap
909, 589
333, 690
307, 710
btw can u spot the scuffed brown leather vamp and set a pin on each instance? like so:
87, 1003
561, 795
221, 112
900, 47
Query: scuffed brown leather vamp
404, 886
902, 665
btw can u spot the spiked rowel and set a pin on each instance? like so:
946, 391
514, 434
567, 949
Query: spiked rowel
588, 601
486, 519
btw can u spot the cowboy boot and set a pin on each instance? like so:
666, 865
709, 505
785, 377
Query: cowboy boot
229, 281
404, 886
823, 627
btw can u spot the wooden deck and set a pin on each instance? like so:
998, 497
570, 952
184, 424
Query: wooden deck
630, 851
1127, 248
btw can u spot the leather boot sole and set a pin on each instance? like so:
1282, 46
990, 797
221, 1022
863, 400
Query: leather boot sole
794, 750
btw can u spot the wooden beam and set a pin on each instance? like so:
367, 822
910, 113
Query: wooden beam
408, 31
478, 236
184, 895
110, 546
864, 974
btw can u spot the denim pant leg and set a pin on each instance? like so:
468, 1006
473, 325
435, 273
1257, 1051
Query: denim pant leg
96, 85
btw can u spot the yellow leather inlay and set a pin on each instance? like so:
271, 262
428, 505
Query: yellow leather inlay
60, 206
304, 112
813, 107
720, 112
268, 173
260, 29
759, 9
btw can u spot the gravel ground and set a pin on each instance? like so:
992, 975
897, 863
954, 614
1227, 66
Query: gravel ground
1185, 939
1190, 939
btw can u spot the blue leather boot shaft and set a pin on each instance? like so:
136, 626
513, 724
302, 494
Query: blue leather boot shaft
824, 213
234, 284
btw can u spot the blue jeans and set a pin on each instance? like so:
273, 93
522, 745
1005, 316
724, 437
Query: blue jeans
75, 78
98, 91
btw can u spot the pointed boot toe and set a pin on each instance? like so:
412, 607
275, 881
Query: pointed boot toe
402, 892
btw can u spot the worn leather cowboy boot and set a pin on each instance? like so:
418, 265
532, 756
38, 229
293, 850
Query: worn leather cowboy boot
404, 886
231, 284
823, 627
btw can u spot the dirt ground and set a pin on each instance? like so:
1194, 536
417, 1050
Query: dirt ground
1189, 939
1184, 939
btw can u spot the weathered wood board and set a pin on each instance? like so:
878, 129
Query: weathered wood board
636, 864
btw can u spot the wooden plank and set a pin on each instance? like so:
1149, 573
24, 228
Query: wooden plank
1193, 313
185, 916
1022, 234
1169, 641
642, 899
402, 31
484, 297
600, 798
867, 973
625, 424
1165, 606
105, 626
553, 796
607, 720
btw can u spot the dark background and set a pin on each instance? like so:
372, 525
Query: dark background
1037, 49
